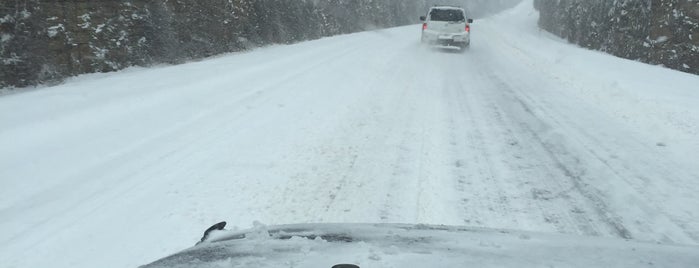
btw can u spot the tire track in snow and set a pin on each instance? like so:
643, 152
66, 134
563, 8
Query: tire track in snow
563, 159
479, 104
621, 156
346, 180
86, 205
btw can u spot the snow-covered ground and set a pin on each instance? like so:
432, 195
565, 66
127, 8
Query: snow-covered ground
524, 131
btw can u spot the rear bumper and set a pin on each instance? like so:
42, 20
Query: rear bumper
444, 39
448, 43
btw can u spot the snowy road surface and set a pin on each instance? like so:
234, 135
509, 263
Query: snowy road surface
521, 132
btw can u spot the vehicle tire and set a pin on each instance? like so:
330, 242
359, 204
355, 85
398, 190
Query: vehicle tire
465, 46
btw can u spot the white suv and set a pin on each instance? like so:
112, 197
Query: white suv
446, 26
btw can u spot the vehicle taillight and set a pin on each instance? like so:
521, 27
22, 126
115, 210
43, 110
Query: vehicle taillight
468, 28
424, 26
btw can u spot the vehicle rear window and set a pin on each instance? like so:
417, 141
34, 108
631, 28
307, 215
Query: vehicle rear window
447, 15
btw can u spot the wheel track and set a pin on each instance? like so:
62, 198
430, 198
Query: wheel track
562, 160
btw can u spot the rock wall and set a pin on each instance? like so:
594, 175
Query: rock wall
662, 32
45, 41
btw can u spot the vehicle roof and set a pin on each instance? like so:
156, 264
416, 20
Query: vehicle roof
447, 7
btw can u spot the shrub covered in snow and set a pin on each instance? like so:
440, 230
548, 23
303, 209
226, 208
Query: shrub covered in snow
45, 41
655, 31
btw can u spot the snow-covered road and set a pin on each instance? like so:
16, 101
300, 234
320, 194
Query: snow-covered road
521, 132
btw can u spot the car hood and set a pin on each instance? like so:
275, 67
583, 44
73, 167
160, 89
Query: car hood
400, 245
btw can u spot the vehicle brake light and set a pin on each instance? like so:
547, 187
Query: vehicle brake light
424, 26
468, 28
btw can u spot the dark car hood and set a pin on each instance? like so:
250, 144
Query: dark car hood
399, 245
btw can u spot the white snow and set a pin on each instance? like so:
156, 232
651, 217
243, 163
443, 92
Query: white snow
5, 37
6, 18
25, 14
524, 132
661, 39
86, 20
54, 30
99, 28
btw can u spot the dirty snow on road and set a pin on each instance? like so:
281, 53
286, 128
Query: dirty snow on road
523, 131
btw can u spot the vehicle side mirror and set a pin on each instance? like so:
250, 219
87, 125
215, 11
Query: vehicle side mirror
422, 18
469, 20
